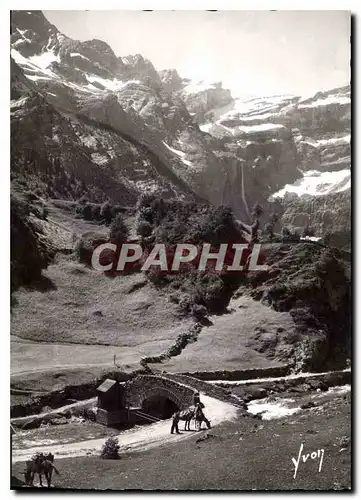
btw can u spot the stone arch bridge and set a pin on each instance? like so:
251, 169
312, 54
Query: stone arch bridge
151, 391
152, 396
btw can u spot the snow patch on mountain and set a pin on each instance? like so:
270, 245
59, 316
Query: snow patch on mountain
99, 158
24, 38
76, 54
333, 99
322, 143
317, 183
259, 128
16, 103
195, 87
178, 153
36, 64
112, 85
260, 108
205, 127
45, 59
333, 141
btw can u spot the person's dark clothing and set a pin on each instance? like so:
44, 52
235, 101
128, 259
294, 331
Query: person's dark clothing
196, 400
206, 421
202, 418
175, 423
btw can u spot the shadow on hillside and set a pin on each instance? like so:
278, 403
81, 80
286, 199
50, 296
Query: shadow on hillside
43, 284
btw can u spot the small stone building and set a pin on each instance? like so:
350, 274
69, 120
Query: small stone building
111, 403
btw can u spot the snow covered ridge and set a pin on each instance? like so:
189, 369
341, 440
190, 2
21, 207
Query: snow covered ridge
39, 67
317, 183
255, 108
265, 109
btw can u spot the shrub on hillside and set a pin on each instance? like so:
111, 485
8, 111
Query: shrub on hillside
96, 212
87, 244
199, 312
308, 231
110, 449
174, 221
44, 212
286, 234
118, 230
144, 228
257, 211
217, 226
87, 212
106, 212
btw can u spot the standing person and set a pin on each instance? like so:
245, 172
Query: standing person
175, 421
196, 399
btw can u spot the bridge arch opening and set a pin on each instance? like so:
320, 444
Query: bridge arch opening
159, 406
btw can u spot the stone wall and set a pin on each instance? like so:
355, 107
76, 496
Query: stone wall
147, 386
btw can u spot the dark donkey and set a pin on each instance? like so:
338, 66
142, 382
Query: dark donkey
187, 415
40, 464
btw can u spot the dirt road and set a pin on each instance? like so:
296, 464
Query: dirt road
138, 438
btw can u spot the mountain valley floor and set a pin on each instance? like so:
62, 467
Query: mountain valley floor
245, 454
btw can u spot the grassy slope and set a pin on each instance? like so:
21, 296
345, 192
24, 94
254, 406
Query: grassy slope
84, 318
89, 308
81, 319
133, 324
248, 454
229, 342
46, 321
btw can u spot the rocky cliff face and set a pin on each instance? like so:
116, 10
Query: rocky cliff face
302, 143
70, 133
31, 252
86, 120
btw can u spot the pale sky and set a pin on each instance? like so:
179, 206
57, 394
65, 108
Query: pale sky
252, 52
